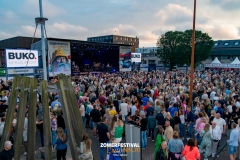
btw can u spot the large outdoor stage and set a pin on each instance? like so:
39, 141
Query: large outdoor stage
94, 57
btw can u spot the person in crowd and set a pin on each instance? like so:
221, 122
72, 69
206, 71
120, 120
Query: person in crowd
113, 125
131, 120
112, 111
159, 140
119, 131
151, 125
169, 118
7, 153
205, 136
104, 135
96, 117
172, 109
60, 143
190, 151
212, 116
124, 109
168, 133
216, 135
233, 142
175, 147
143, 124
221, 123
56, 102
182, 124
25, 132
227, 116
162, 153
82, 113
53, 126
190, 121
160, 118
177, 121
197, 127
85, 148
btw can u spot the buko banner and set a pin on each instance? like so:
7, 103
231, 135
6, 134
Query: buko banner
21, 58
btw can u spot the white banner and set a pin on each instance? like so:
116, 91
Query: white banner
20, 71
136, 57
21, 58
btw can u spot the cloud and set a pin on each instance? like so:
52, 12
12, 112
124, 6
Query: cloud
4, 35
127, 30
231, 5
57, 30
148, 39
49, 10
174, 14
224, 31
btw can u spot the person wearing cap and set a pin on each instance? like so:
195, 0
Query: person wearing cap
56, 102
8, 152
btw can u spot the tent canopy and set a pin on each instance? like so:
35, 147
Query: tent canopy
216, 61
236, 61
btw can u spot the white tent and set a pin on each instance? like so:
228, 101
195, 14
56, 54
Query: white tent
216, 61
236, 61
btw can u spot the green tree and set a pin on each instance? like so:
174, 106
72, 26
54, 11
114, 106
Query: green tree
174, 47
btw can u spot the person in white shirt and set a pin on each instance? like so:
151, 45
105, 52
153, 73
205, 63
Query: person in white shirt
216, 136
238, 128
123, 108
25, 132
221, 123
82, 112
133, 108
2, 126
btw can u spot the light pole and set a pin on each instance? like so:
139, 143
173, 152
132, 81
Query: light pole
42, 22
192, 55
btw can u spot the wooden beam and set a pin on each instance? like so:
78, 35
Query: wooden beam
46, 122
73, 109
21, 117
32, 119
67, 118
77, 118
10, 112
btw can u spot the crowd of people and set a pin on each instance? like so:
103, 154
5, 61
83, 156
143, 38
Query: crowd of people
157, 102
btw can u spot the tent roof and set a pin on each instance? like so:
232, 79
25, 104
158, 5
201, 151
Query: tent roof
236, 61
216, 61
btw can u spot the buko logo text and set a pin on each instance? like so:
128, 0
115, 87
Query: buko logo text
12, 55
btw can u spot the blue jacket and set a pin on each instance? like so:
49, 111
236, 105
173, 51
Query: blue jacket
190, 117
60, 144
220, 111
172, 110
148, 110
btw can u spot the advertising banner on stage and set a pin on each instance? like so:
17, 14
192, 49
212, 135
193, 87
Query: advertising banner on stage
125, 63
59, 59
136, 61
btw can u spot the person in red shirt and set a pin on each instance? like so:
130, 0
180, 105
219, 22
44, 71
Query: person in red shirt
190, 151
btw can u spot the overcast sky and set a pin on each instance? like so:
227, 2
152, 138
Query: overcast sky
146, 19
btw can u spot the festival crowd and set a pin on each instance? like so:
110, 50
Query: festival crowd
155, 101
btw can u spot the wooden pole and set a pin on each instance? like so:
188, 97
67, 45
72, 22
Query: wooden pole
73, 109
46, 122
21, 117
32, 119
67, 119
192, 56
10, 112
